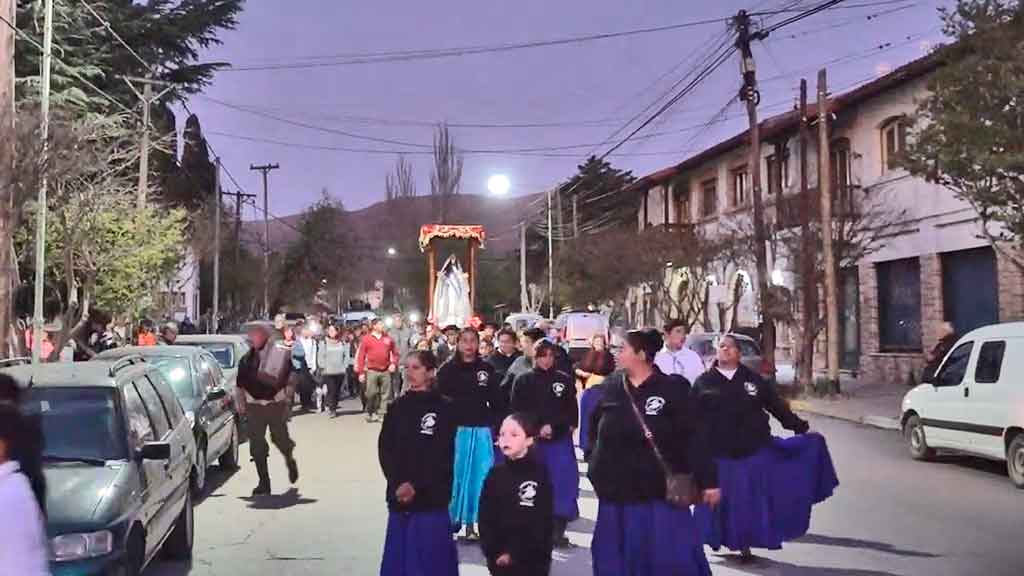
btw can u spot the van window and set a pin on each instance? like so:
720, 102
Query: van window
953, 371
990, 362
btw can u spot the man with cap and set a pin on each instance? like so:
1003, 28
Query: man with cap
263, 382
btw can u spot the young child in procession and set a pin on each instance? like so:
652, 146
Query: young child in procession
23, 547
517, 505
416, 448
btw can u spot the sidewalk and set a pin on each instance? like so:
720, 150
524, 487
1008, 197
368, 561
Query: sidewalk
875, 405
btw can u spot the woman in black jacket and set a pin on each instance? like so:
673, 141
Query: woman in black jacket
549, 397
516, 506
416, 449
469, 382
638, 532
768, 484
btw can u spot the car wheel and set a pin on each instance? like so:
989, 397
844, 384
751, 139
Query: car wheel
1015, 460
198, 477
179, 545
134, 556
229, 459
913, 431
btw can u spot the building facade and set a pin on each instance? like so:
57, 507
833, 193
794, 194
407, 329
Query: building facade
928, 262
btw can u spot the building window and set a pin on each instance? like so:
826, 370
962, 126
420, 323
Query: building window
708, 198
778, 173
894, 142
683, 204
842, 198
739, 184
899, 305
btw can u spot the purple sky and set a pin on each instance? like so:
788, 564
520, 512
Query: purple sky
606, 81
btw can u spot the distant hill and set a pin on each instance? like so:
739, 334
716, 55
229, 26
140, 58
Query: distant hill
384, 223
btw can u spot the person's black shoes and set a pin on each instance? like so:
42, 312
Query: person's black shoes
263, 488
293, 470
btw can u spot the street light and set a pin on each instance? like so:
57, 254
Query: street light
499, 184
392, 251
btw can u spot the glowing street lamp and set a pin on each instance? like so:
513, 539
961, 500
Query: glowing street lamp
499, 184
392, 251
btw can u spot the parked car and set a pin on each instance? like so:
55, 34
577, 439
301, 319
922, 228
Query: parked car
354, 318
198, 382
228, 349
706, 344
522, 320
974, 403
117, 455
578, 330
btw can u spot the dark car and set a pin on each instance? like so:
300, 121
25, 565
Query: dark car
198, 382
117, 455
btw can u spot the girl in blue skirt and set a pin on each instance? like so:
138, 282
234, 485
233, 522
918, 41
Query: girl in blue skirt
549, 397
469, 382
516, 506
768, 484
638, 532
416, 449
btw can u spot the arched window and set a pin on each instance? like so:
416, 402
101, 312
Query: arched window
894, 141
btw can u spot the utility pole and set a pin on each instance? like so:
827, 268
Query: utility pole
575, 218
751, 96
524, 296
825, 184
551, 263
266, 169
808, 249
7, 138
147, 98
215, 321
239, 197
44, 134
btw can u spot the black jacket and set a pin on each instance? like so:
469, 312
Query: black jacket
474, 390
501, 363
733, 412
623, 467
516, 517
550, 395
417, 445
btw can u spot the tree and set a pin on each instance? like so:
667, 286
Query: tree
401, 184
596, 188
969, 136
447, 175
316, 260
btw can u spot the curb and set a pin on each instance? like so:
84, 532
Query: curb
882, 422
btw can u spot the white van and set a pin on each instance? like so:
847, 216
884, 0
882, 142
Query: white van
975, 402
578, 330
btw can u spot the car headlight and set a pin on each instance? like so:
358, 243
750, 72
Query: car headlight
79, 546
191, 416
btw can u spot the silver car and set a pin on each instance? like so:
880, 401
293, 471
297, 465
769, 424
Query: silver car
228, 349
706, 344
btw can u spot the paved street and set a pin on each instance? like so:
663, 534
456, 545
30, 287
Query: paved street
891, 516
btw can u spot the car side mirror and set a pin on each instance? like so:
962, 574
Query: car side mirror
155, 451
217, 393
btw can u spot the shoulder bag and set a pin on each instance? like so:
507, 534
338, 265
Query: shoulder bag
680, 489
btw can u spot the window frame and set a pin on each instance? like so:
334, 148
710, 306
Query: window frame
136, 441
778, 173
709, 209
740, 186
969, 345
898, 127
156, 411
1001, 344
885, 302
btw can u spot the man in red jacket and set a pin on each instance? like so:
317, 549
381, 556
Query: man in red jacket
376, 361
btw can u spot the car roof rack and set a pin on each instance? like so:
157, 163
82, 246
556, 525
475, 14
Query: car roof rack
130, 360
15, 361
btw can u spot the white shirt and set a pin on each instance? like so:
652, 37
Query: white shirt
683, 362
23, 547
309, 345
727, 373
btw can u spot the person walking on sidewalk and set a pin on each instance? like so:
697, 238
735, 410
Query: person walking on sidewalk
263, 376
549, 397
402, 334
676, 357
376, 362
768, 484
416, 450
309, 388
470, 383
334, 361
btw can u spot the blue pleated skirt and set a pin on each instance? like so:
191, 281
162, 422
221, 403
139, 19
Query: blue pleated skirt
560, 457
767, 497
419, 544
647, 539
474, 457
588, 402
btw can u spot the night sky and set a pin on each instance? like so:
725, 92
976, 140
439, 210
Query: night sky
578, 93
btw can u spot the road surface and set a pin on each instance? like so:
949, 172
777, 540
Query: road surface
890, 517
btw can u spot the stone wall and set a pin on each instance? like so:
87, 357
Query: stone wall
1011, 289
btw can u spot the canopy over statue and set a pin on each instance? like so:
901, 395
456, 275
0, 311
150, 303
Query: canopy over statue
451, 294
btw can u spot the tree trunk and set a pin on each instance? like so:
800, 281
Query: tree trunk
7, 139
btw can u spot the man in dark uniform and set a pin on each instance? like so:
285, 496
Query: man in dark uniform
264, 375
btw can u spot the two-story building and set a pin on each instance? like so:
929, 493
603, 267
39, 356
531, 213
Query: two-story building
929, 264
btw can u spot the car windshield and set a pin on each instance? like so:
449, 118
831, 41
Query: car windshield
177, 373
78, 424
224, 353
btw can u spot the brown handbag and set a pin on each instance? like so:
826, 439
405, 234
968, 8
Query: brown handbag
680, 489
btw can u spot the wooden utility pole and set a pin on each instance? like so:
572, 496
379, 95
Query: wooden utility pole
808, 250
7, 139
524, 295
551, 263
147, 98
213, 325
751, 96
575, 217
266, 169
825, 184
239, 197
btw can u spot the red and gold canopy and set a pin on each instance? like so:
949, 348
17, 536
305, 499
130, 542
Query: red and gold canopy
428, 232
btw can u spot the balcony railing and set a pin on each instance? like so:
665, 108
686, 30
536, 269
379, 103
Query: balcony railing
789, 208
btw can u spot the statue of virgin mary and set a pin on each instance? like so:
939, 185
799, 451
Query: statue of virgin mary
451, 295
